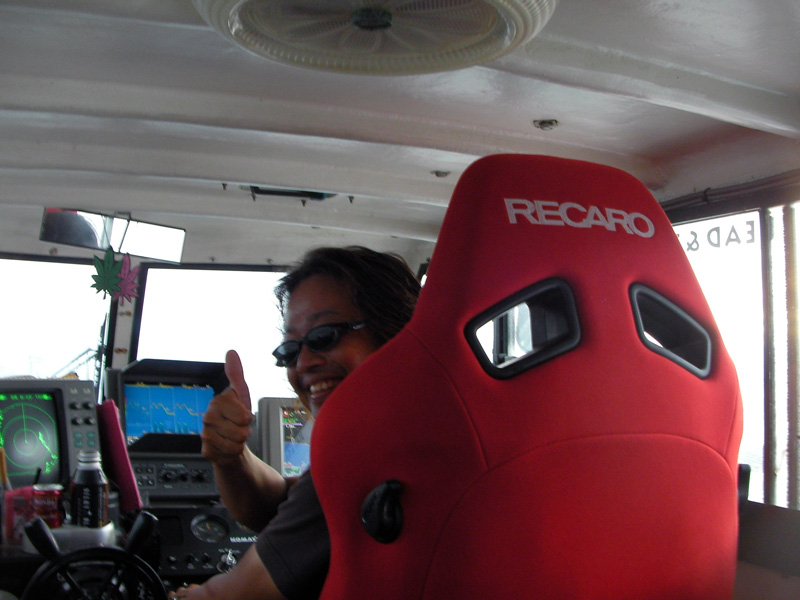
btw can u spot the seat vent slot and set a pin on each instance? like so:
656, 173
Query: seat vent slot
530, 327
668, 330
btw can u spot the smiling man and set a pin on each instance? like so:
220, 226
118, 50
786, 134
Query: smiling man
339, 306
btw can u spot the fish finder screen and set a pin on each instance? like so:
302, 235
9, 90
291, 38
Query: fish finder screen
164, 409
29, 434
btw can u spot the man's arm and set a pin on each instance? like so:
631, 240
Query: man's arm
250, 489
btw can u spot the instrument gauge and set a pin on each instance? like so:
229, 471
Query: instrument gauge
209, 528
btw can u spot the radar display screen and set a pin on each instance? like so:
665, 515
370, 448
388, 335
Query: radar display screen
29, 434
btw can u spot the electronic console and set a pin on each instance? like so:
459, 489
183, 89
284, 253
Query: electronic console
44, 423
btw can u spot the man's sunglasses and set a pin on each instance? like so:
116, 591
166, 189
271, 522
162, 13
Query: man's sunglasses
318, 339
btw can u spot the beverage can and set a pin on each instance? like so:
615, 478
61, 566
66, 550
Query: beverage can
89, 491
46, 502
18, 511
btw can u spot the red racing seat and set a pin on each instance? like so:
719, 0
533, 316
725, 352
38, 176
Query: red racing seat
560, 418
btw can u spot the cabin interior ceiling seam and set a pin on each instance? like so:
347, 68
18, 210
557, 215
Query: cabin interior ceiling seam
143, 108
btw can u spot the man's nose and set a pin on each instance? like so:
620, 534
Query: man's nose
307, 359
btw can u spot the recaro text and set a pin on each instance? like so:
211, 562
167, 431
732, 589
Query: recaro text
572, 214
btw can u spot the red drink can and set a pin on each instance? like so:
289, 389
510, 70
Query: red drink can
47, 504
19, 510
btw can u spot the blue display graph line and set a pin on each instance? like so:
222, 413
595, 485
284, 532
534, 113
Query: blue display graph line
165, 409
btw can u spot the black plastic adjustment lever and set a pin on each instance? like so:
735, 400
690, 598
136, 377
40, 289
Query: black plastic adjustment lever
42, 539
142, 529
382, 512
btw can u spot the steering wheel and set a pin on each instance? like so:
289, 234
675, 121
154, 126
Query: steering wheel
100, 573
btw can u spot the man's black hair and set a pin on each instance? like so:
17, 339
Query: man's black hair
382, 286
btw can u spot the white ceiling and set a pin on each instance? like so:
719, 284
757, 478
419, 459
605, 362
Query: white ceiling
139, 106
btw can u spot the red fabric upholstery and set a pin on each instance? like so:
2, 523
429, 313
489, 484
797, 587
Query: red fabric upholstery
607, 472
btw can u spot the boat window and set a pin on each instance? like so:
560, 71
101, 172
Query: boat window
53, 321
199, 313
726, 255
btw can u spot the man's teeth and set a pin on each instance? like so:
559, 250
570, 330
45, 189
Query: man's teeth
321, 387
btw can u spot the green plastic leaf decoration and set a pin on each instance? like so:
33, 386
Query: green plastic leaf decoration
107, 279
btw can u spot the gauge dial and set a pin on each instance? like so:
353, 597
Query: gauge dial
209, 528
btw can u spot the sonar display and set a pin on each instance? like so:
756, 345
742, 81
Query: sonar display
164, 409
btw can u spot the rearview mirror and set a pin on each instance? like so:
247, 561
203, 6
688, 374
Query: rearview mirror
122, 235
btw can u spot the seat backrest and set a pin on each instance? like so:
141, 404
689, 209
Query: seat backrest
597, 460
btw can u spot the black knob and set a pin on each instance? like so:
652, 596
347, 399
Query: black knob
42, 539
382, 513
142, 529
